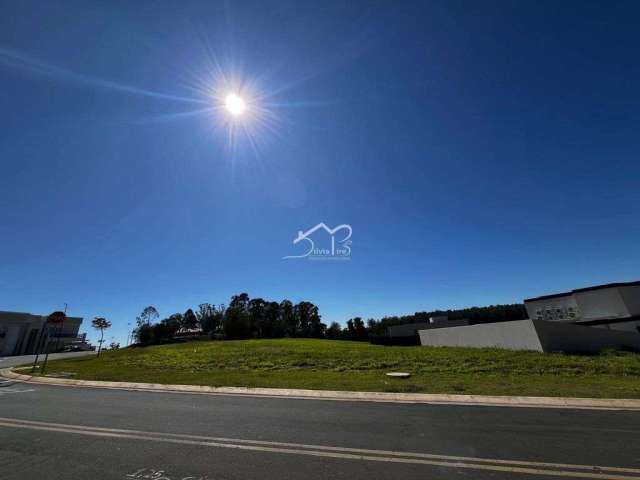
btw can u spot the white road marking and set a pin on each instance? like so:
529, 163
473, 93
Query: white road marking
501, 465
9, 390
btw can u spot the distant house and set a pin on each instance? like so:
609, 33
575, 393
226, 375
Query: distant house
582, 320
24, 333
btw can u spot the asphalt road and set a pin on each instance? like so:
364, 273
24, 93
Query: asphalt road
26, 359
68, 433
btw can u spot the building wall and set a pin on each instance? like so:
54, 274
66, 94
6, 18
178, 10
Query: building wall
583, 320
630, 326
601, 303
411, 329
587, 305
562, 309
21, 333
448, 323
536, 335
559, 337
631, 297
406, 329
12, 335
439, 319
15, 327
515, 335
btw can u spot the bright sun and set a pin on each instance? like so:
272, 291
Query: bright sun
235, 104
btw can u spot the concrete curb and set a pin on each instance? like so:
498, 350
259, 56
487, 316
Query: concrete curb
424, 398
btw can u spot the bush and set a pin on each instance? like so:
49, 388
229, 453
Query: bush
144, 334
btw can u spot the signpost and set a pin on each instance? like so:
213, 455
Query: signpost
38, 347
53, 320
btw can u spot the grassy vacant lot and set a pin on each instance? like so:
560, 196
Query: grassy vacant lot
341, 365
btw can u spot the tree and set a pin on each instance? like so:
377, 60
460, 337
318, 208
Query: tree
334, 331
287, 319
308, 320
240, 302
189, 320
100, 323
271, 327
317, 329
257, 317
144, 334
475, 315
174, 323
114, 346
375, 328
148, 316
236, 323
164, 330
360, 329
302, 315
351, 331
210, 317
205, 316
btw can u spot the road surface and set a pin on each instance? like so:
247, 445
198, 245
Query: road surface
27, 359
70, 433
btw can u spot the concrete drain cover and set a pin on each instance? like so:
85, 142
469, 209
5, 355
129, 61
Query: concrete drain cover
399, 374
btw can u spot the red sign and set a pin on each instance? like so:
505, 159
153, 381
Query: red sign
56, 317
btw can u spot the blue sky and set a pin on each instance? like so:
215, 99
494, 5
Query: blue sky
483, 152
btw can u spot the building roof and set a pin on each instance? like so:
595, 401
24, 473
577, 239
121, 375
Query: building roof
586, 289
609, 285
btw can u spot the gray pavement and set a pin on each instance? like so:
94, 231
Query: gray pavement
113, 434
27, 359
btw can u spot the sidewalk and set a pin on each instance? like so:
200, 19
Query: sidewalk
423, 398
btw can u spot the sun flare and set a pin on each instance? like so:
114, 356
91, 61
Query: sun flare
235, 104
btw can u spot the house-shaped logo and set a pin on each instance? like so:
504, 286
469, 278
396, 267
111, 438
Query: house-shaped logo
324, 243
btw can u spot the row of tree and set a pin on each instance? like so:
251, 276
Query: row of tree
475, 315
246, 317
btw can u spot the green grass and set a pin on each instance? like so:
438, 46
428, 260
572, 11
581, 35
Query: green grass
341, 365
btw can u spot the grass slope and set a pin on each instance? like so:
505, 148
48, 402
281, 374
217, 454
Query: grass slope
341, 365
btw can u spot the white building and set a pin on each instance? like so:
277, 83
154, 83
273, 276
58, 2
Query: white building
615, 306
24, 333
582, 320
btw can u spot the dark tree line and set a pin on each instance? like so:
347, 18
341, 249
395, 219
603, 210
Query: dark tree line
246, 317
490, 314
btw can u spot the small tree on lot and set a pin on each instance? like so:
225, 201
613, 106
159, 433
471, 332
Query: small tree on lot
148, 316
100, 323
